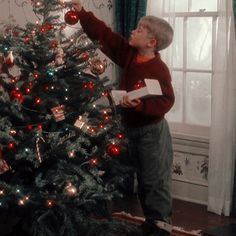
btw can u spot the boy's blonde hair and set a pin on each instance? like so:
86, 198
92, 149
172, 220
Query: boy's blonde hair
159, 29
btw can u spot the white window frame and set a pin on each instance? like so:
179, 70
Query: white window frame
195, 132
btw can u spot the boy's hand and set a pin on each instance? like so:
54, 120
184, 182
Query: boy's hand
76, 4
127, 103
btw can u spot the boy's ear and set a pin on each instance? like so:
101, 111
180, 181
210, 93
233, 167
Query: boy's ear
152, 43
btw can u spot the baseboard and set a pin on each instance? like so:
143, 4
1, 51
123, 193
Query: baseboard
190, 192
189, 200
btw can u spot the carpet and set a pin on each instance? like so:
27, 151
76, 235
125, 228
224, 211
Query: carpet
174, 230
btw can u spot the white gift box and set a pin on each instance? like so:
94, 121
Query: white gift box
81, 121
152, 88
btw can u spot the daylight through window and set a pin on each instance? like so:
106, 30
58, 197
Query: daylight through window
190, 60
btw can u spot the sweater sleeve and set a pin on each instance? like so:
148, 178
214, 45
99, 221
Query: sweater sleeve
112, 44
159, 105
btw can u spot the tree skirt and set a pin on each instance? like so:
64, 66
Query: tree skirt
120, 224
174, 230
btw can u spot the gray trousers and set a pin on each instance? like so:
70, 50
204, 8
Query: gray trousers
150, 151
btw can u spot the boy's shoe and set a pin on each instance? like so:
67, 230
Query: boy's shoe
159, 232
149, 228
146, 228
162, 229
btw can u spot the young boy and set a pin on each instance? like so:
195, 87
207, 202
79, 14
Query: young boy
150, 145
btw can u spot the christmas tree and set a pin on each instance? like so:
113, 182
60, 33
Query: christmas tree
59, 144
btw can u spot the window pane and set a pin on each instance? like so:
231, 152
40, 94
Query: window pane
176, 112
177, 6
207, 5
154, 7
194, 5
199, 43
198, 99
177, 45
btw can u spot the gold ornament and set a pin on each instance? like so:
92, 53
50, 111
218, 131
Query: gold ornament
70, 190
97, 67
12, 132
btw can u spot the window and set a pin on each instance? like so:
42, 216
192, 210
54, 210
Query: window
190, 60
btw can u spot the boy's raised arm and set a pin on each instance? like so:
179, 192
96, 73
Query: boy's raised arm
112, 44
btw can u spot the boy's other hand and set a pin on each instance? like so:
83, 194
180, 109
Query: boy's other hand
76, 4
127, 103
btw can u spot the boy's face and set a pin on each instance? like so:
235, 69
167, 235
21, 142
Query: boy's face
141, 38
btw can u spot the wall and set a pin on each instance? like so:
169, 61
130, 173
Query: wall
190, 169
15, 12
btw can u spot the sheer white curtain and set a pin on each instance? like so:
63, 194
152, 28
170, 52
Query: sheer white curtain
222, 151
223, 125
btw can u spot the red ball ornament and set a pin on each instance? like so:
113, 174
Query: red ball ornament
71, 17
16, 94
84, 56
54, 44
113, 149
11, 146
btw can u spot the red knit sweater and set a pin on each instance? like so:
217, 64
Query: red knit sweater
117, 48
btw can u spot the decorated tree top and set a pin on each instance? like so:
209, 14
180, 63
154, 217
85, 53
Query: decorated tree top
59, 144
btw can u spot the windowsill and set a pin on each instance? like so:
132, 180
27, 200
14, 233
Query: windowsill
190, 139
187, 137
193, 133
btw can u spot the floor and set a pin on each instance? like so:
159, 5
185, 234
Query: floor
189, 216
